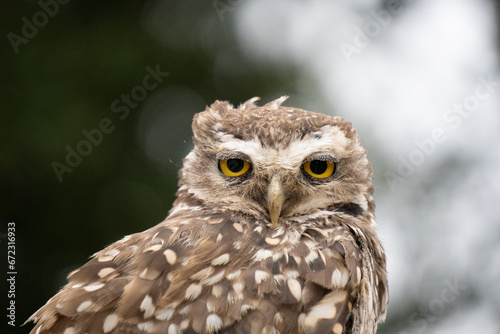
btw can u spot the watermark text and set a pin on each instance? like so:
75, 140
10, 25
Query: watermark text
11, 273
95, 136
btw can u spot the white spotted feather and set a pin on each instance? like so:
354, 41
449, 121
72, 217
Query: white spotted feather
217, 264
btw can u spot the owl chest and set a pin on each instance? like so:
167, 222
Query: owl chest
244, 273
243, 260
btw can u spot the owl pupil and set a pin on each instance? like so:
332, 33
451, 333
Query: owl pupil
318, 166
235, 165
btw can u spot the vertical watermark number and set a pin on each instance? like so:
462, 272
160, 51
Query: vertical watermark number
11, 273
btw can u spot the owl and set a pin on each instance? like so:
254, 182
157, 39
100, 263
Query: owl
272, 231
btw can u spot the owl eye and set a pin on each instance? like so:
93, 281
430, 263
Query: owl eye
319, 168
233, 167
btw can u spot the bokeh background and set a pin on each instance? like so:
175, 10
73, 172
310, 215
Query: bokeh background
419, 79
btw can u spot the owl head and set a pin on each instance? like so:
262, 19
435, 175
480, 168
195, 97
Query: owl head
277, 163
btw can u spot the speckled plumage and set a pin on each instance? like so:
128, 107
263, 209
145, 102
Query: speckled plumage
217, 264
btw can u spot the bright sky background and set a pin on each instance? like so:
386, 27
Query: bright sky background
421, 85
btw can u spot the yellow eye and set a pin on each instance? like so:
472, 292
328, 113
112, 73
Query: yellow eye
319, 168
233, 167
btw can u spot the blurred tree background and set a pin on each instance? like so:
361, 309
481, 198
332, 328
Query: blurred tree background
66, 71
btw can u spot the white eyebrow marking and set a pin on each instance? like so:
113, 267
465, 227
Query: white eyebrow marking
329, 139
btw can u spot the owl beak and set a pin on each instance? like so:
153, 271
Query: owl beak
275, 199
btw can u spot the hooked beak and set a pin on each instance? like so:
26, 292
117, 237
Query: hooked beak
275, 199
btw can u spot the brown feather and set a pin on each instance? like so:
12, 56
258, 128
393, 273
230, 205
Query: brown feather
215, 265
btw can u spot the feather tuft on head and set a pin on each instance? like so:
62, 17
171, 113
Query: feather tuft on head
250, 103
275, 104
